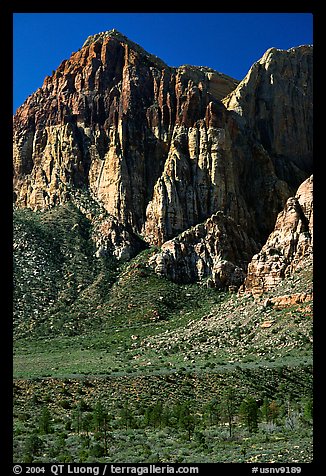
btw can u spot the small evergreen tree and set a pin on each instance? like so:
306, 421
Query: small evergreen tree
212, 412
99, 415
126, 415
154, 415
186, 419
308, 409
77, 417
248, 412
87, 422
166, 416
228, 407
33, 445
101, 423
45, 421
264, 410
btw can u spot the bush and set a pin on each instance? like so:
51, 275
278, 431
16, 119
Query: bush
33, 446
45, 422
97, 450
65, 404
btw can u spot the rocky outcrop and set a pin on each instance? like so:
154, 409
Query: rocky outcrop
161, 148
289, 247
113, 238
287, 300
216, 252
275, 101
226, 164
110, 237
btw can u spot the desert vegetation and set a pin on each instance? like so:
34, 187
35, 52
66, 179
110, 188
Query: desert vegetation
114, 363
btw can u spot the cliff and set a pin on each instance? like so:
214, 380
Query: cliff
105, 120
288, 248
163, 149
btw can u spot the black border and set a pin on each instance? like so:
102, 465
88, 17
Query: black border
7, 9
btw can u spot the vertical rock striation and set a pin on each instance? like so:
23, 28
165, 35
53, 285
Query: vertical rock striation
163, 149
105, 120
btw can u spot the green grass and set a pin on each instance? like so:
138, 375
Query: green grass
57, 358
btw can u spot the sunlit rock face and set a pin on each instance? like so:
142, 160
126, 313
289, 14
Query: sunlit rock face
215, 252
290, 245
163, 149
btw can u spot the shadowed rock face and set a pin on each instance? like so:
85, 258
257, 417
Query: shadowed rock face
161, 148
274, 101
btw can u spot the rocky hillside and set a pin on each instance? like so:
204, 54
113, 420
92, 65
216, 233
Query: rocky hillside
185, 158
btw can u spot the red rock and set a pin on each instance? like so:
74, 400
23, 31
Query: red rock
289, 247
164, 148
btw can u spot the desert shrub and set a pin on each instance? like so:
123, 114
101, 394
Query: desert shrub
33, 446
65, 404
45, 425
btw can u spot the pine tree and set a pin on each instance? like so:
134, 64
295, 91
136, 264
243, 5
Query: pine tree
186, 419
45, 421
154, 415
87, 422
248, 412
264, 410
33, 445
126, 415
101, 423
228, 407
98, 416
212, 412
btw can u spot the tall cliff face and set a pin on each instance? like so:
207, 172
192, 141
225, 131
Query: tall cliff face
161, 148
105, 120
275, 101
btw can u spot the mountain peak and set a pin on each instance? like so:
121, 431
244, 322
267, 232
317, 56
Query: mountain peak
165, 148
105, 34
114, 33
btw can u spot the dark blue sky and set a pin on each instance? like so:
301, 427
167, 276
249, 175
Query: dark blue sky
227, 42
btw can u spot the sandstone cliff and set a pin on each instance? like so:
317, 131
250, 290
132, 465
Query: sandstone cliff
216, 252
163, 149
105, 120
289, 247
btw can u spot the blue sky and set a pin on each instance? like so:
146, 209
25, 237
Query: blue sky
227, 42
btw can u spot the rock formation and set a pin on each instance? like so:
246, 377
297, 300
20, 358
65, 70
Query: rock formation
216, 252
105, 120
274, 101
287, 300
289, 246
163, 149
